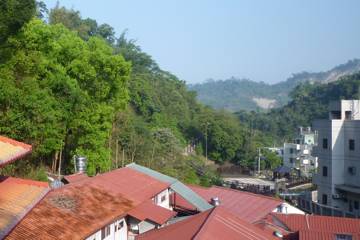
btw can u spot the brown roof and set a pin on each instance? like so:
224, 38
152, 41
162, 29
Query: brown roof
79, 209
216, 223
17, 197
248, 206
148, 210
75, 177
11, 150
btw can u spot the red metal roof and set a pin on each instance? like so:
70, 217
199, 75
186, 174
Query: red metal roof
318, 227
215, 223
11, 150
17, 198
79, 209
75, 177
248, 206
148, 210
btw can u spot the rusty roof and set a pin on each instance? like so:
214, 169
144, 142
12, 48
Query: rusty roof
322, 226
11, 150
74, 211
79, 209
249, 206
75, 177
216, 223
17, 197
148, 210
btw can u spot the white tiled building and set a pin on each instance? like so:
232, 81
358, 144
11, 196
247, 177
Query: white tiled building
338, 150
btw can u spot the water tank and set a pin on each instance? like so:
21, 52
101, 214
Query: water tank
80, 164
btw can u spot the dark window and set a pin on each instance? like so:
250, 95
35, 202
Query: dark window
352, 144
352, 170
356, 205
325, 143
343, 237
350, 205
291, 150
325, 171
121, 225
163, 198
105, 232
324, 199
291, 160
348, 115
298, 141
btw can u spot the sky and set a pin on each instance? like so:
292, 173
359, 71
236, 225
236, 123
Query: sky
262, 40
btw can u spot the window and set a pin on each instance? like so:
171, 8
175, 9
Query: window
163, 198
343, 237
324, 199
291, 150
105, 232
348, 115
121, 225
352, 170
325, 143
351, 144
291, 160
335, 115
325, 171
350, 205
356, 205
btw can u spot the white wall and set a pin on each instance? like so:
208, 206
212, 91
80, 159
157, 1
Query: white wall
119, 234
166, 202
287, 209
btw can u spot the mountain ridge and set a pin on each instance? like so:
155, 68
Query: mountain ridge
236, 94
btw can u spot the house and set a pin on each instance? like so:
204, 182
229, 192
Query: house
215, 223
17, 196
306, 227
245, 205
338, 175
298, 154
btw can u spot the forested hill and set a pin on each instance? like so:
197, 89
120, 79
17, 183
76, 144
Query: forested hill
242, 94
309, 102
72, 86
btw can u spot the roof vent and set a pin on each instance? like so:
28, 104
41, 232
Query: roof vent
278, 234
80, 164
215, 201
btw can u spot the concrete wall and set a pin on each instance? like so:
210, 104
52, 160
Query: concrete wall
165, 203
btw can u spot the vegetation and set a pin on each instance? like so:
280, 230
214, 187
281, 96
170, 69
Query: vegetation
71, 86
242, 94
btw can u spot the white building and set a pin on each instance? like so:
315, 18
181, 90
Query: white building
338, 151
298, 153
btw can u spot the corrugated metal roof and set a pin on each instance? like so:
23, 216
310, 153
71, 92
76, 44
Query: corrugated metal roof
75, 177
189, 195
216, 223
11, 150
148, 210
17, 197
248, 206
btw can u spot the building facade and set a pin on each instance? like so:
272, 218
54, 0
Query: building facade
338, 151
298, 154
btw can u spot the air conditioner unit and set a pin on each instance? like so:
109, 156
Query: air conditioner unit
336, 196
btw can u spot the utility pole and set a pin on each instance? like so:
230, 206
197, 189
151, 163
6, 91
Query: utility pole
259, 161
206, 142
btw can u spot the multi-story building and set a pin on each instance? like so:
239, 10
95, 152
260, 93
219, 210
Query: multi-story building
338, 151
297, 154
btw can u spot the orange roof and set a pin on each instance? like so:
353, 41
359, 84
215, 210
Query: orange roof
148, 210
75, 177
17, 197
216, 223
79, 209
323, 226
248, 206
11, 150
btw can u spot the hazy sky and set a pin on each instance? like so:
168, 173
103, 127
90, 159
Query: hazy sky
264, 40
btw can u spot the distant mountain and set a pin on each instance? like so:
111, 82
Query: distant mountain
243, 94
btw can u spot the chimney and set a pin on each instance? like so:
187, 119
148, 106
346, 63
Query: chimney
215, 201
80, 164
